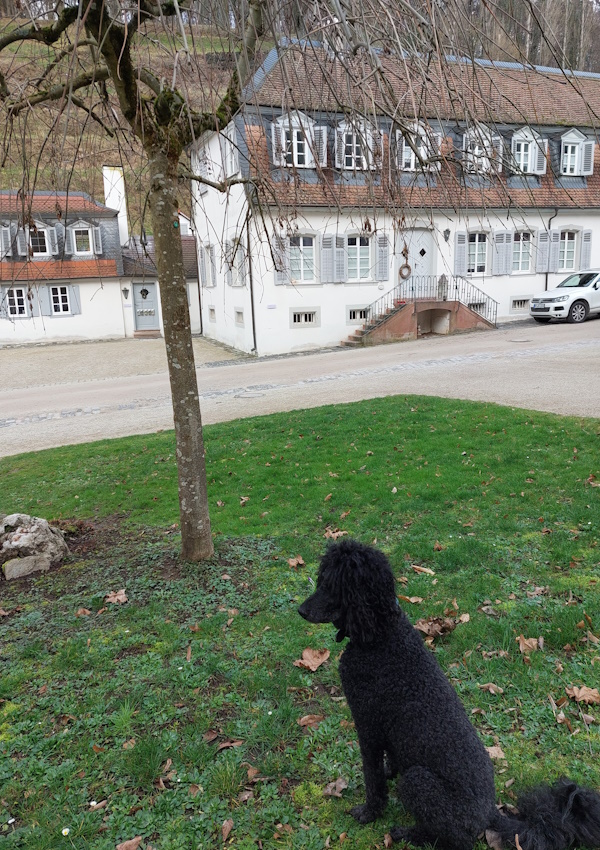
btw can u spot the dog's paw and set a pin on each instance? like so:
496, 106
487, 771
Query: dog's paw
364, 813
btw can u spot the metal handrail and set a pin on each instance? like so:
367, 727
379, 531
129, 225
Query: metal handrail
433, 288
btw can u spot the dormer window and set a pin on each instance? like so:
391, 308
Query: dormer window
576, 154
529, 152
416, 147
482, 150
298, 142
37, 240
81, 239
358, 146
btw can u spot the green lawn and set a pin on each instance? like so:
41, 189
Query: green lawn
179, 708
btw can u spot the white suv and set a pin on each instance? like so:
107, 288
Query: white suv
576, 298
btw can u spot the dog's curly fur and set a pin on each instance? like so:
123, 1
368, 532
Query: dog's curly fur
411, 723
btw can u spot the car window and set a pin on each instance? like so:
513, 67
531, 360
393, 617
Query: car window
583, 279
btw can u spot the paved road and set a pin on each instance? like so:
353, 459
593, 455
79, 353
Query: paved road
56, 395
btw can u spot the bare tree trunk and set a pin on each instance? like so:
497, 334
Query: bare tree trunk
196, 538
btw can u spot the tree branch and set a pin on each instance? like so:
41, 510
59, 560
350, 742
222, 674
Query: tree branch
60, 90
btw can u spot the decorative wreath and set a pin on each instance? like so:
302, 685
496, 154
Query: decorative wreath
404, 271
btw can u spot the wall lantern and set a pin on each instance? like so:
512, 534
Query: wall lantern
446, 234
125, 292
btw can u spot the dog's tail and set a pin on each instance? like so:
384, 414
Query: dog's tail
552, 818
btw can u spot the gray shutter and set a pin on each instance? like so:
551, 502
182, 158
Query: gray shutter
460, 254
240, 265
282, 261
341, 257
554, 250
202, 263
6, 249
321, 145
3, 302
401, 148
34, 301
543, 251
375, 140
327, 258
540, 149
202, 164
383, 258
587, 158
229, 259
213, 265
97, 239
277, 144
508, 252
498, 156
44, 300
586, 250
498, 255
74, 300
339, 147
21, 242
69, 245
53, 239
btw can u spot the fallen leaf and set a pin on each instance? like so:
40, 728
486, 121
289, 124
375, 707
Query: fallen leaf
245, 796
312, 658
495, 752
437, 546
243, 500
282, 829
491, 688
97, 749
42, 690
333, 533
252, 773
311, 720
527, 645
588, 719
226, 828
210, 736
584, 694
414, 600
195, 790
344, 514
129, 745
82, 612
116, 597
493, 839
419, 569
220, 504
328, 497
334, 789
3, 613
388, 841
101, 805
298, 561
188, 654
195, 628
227, 745
435, 626
132, 844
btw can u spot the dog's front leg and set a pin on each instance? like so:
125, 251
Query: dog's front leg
375, 783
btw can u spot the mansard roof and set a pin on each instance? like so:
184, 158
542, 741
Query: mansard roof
56, 205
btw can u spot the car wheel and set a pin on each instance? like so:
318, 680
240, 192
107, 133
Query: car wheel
578, 312
541, 320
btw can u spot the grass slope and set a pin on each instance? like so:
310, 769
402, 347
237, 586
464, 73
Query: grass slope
180, 707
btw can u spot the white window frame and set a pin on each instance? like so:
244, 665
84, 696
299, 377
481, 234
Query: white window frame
229, 151
576, 154
363, 258
63, 302
12, 310
518, 241
81, 228
303, 266
298, 142
358, 146
529, 152
567, 261
482, 150
481, 238
427, 144
40, 229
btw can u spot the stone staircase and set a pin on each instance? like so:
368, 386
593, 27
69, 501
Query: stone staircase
425, 304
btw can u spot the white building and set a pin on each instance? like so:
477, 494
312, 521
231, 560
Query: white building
487, 195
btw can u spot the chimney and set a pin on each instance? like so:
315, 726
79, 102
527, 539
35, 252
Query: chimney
114, 197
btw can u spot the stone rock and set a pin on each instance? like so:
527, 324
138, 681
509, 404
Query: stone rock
29, 544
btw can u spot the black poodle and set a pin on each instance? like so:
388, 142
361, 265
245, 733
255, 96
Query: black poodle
411, 724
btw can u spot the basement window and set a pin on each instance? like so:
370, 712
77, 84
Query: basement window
212, 315
520, 305
310, 317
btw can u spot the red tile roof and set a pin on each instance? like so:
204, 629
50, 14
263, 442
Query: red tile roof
304, 78
57, 204
39, 271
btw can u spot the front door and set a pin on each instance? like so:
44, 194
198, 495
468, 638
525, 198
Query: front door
414, 248
145, 305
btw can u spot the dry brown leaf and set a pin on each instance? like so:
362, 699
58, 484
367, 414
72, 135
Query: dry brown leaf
414, 600
3, 613
220, 504
98, 749
435, 626
195, 628
592, 638
101, 805
328, 497
227, 745
333, 533
419, 569
437, 546
252, 773
132, 844
188, 654
493, 839
495, 752
226, 828
491, 688
344, 514
298, 561
388, 841
210, 736
129, 745
527, 645
334, 789
590, 696
282, 829
116, 597
82, 612
195, 790
588, 719
243, 500
245, 795
312, 658
311, 720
